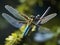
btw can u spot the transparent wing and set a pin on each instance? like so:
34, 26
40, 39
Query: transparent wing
43, 34
12, 21
14, 12
43, 37
47, 18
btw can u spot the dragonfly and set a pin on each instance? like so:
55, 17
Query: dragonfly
32, 23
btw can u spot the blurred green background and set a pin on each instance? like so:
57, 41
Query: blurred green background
30, 7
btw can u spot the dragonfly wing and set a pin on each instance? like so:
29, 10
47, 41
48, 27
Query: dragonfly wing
12, 21
47, 18
43, 37
43, 34
14, 12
